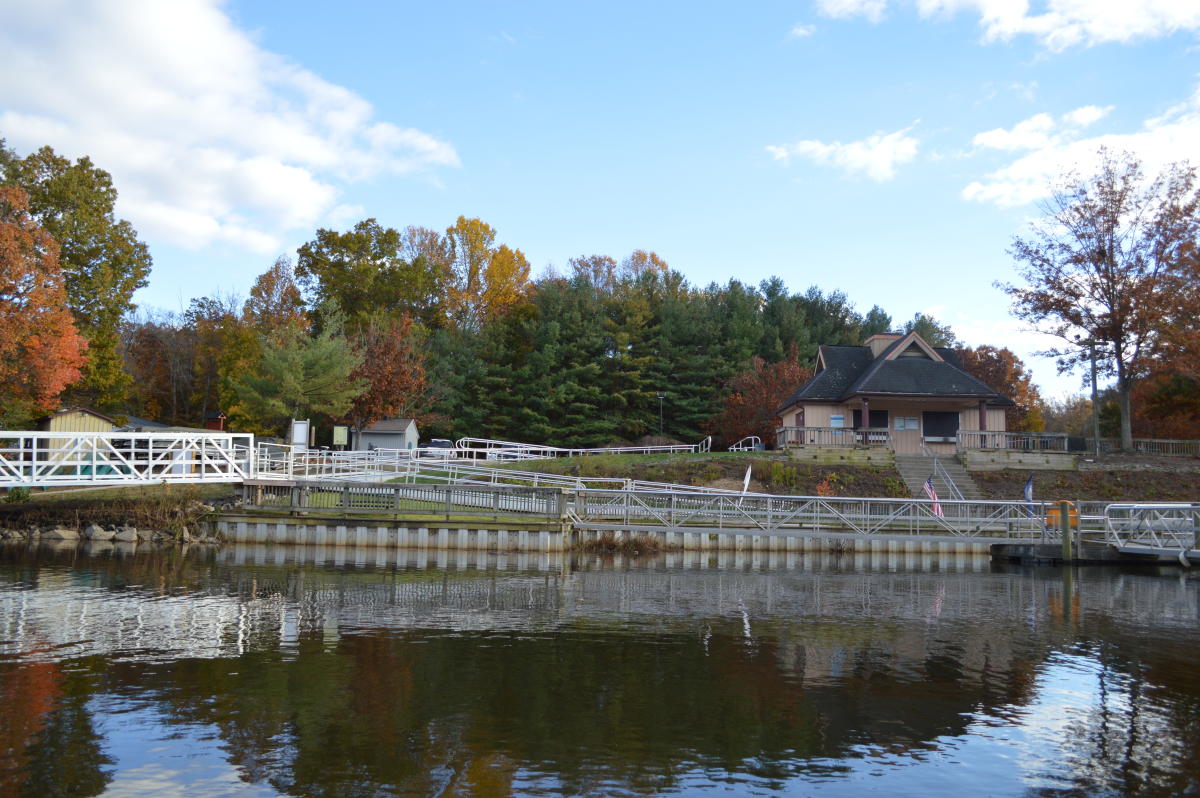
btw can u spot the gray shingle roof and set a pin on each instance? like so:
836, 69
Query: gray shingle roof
851, 371
390, 425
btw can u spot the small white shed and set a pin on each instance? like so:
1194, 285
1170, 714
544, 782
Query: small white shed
390, 433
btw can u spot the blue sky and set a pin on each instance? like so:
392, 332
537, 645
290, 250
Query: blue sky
887, 149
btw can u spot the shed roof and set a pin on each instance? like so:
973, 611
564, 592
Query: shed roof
78, 409
391, 425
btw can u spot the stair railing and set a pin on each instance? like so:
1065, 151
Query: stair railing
939, 470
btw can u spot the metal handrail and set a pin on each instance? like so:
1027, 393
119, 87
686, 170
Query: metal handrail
763, 514
1161, 526
939, 470
520, 450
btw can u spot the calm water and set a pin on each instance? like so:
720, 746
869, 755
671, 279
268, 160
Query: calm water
274, 670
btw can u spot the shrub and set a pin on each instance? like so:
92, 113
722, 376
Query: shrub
17, 495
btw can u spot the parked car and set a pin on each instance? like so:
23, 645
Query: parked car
438, 448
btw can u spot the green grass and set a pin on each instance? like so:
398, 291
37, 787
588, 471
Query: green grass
132, 493
621, 465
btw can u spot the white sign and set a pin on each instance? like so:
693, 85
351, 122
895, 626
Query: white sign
299, 436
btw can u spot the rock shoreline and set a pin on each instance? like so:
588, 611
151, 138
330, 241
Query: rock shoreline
186, 522
108, 533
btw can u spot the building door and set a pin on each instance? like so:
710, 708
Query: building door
939, 426
878, 419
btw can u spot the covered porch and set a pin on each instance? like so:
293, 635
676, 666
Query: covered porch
906, 426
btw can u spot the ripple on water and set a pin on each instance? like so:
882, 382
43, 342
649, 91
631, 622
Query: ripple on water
602, 680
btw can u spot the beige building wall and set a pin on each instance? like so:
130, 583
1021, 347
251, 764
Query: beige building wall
904, 441
78, 421
71, 421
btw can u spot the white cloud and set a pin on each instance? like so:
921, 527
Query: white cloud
875, 157
1058, 24
209, 138
1058, 149
801, 31
1041, 130
871, 9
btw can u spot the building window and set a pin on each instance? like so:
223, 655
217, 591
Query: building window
837, 421
906, 422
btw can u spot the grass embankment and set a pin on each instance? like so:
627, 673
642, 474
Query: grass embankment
770, 472
164, 508
1142, 485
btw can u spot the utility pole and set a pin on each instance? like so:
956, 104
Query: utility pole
1090, 343
661, 396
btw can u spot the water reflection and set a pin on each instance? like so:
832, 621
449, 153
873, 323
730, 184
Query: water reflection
307, 671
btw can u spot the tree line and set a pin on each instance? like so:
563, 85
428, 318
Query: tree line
448, 327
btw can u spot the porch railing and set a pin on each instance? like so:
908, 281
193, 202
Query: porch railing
833, 437
1016, 441
1157, 446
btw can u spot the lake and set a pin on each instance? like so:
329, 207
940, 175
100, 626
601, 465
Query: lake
260, 670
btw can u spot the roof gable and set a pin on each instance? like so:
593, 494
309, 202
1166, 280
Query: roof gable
905, 346
391, 425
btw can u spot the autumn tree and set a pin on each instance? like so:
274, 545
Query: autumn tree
158, 353
755, 396
103, 262
486, 280
1167, 405
1003, 371
392, 368
41, 352
1099, 266
275, 300
1070, 415
599, 270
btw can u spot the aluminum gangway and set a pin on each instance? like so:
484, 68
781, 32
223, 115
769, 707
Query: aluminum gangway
73, 459
1166, 530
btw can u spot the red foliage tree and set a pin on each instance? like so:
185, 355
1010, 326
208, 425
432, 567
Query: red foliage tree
1167, 406
1003, 371
755, 395
394, 368
41, 352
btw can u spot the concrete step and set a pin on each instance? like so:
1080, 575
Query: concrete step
915, 469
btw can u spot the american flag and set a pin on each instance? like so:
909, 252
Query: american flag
932, 494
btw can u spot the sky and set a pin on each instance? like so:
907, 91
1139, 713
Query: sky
889, 149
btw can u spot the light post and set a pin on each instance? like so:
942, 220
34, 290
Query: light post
661, 396
1090, 343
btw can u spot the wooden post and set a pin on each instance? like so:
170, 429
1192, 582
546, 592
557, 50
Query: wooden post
1064, 526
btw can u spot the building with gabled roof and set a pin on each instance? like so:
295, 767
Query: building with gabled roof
895, 391
388, 433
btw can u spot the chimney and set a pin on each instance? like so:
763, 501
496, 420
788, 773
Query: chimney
882, 341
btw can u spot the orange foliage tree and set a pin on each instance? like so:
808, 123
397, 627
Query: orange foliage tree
485, 280
1002, 370
1167, 406
41, 352
755, 396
